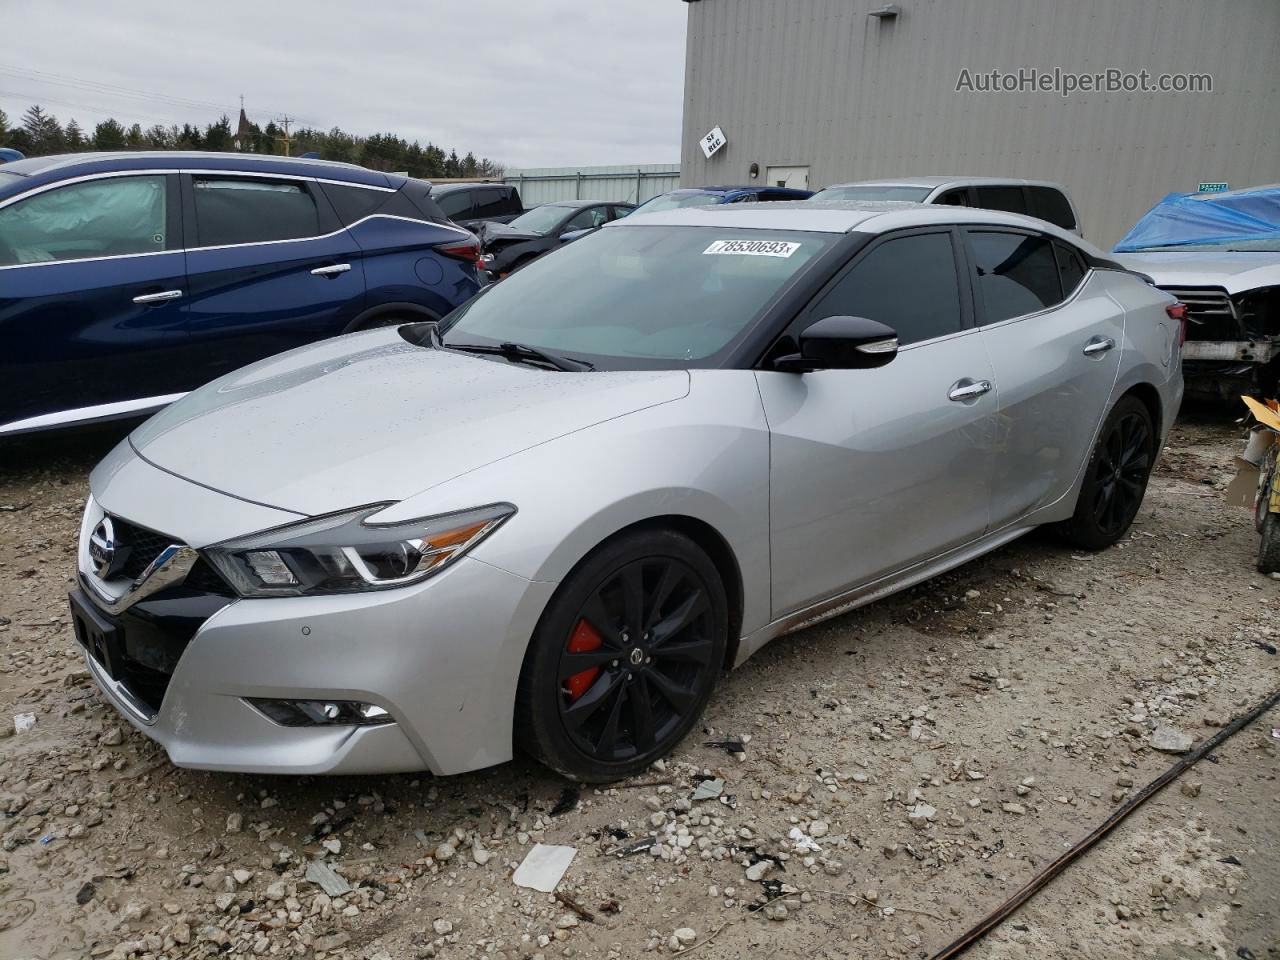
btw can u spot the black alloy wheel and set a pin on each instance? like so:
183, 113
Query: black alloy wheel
1123, 465
625, 658
1116, 478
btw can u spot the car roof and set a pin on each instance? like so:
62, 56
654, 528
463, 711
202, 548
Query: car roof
935, 182
840, 217
66, 166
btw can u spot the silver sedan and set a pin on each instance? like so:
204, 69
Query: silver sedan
551, 521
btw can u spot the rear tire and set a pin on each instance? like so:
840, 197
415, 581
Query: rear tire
624, 659
1115, 479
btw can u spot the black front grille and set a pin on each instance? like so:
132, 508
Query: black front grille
143, 545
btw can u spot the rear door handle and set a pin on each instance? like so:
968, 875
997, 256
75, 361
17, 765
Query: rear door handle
332, 270
160, 297
1098, 346
966, 389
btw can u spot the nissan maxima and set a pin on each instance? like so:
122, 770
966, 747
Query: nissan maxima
550, 521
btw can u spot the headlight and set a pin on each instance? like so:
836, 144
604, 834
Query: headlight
344, 553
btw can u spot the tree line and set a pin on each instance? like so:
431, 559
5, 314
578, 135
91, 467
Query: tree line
39, 133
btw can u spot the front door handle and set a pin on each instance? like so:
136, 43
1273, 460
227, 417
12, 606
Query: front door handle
332, 270
160, 297
965, 390
1098, 346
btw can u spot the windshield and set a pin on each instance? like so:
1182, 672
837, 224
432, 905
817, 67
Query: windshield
673, 201
858, 194
539, 220
640, 297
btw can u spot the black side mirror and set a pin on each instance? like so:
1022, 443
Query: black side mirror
841, 343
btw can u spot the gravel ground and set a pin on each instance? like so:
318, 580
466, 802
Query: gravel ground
904, 769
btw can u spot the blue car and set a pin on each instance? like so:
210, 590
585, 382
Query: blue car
711, 196
128, 279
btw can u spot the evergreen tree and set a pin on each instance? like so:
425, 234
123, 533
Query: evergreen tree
470, 167
75, 136
217, 136
160, 137
4, 128
108, 135
134, 139
189, 138
43, 131
453, 166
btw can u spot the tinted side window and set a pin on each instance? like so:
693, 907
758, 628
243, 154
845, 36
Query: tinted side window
238, 210
456, 205
98, 218
1009, 199
510, 202
491, 203
590, 217
353, 203
955, 198
1017, 274
1049, 204
1070, 267
908, 283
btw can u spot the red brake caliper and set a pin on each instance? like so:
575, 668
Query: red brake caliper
584, 639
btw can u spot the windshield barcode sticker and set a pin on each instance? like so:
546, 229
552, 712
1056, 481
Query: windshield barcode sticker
752, 248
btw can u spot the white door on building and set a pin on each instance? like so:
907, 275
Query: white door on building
797, 178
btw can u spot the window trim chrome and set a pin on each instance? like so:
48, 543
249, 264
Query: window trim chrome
108, 174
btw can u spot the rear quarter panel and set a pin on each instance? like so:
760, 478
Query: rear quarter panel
1150, 349
401, 267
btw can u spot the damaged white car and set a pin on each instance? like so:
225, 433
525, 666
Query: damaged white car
1219, 253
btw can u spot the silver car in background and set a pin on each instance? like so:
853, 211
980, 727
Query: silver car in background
552, 520
1033, 198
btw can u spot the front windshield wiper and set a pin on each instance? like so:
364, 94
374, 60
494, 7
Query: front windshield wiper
521, 353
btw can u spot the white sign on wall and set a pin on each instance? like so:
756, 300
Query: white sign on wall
712, 142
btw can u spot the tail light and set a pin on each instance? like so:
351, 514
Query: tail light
468, 250
1178, 311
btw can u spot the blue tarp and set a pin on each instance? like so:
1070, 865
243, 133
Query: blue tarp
1181, 219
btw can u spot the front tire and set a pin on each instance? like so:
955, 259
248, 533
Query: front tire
1115, 479
625, 657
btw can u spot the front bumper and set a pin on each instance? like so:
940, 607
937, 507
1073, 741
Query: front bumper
442, 657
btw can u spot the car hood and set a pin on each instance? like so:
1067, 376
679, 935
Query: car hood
372, 417
500, 231
1234, 272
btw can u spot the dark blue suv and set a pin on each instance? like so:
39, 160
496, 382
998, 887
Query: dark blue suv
128, 279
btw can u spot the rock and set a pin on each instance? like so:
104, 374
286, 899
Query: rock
1190, 789
757, 871
181, 933
112, 738
819, 828
327, 879
442, 927
480, 855
567, 921
776, 911
276, 891
332, 844
241, 876
444, 851
1171, 740
1015, 808
921, 814
686, 935
235, 822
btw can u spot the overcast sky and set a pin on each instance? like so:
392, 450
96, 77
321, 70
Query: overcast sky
526, 82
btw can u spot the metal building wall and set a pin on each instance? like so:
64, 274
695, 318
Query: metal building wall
819, 82
623, 183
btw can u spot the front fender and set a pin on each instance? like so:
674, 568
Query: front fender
705, 457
